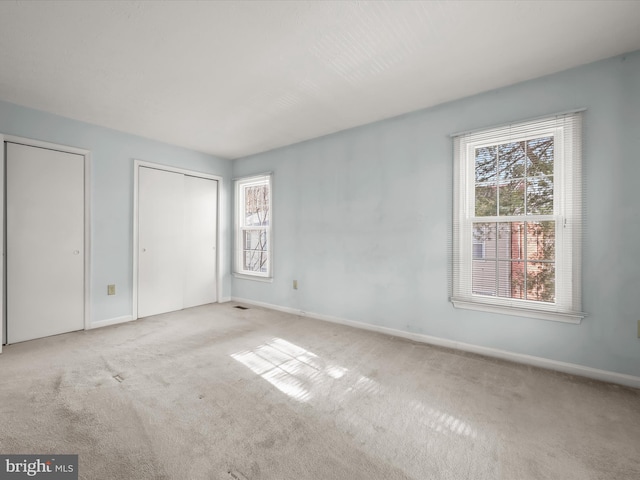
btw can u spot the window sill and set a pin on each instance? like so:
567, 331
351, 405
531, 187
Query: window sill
573, 317
257, 278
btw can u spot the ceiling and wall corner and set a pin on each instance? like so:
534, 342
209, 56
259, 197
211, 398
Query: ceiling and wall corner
238, 78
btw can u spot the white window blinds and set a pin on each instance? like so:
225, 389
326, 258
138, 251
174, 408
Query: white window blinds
517, 219
253, 226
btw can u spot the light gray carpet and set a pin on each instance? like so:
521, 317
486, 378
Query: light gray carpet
265, 395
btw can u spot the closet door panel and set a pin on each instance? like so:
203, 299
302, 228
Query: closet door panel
160, 241
200, 228
45, 242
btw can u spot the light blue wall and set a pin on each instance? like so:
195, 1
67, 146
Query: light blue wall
112, 155
361, 220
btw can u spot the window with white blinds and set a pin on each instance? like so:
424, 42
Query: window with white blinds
253, 226
517, 219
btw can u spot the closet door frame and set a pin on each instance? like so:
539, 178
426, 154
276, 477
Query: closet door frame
137, 164
87, 220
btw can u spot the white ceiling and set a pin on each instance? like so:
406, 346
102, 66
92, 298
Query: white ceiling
236, 78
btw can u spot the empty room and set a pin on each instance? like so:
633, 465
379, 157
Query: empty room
320, 240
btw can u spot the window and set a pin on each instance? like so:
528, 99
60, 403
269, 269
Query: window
517, 219
253, 226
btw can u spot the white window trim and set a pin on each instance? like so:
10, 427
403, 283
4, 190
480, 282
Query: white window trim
567, 215
238, 271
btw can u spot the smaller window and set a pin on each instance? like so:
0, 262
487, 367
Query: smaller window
253, 226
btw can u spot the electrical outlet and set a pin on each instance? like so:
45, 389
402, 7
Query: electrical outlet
111, 289
295, 284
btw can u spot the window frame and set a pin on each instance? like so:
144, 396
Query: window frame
567, 214
240, 184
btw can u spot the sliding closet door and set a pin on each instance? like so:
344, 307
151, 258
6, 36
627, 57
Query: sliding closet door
45, 242
200, 200
160, 241
177, 231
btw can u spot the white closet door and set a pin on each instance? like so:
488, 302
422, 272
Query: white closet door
160, 241
45, 242
200, 199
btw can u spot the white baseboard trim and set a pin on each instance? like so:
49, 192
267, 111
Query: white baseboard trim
224, 299
110, 321
565, 367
